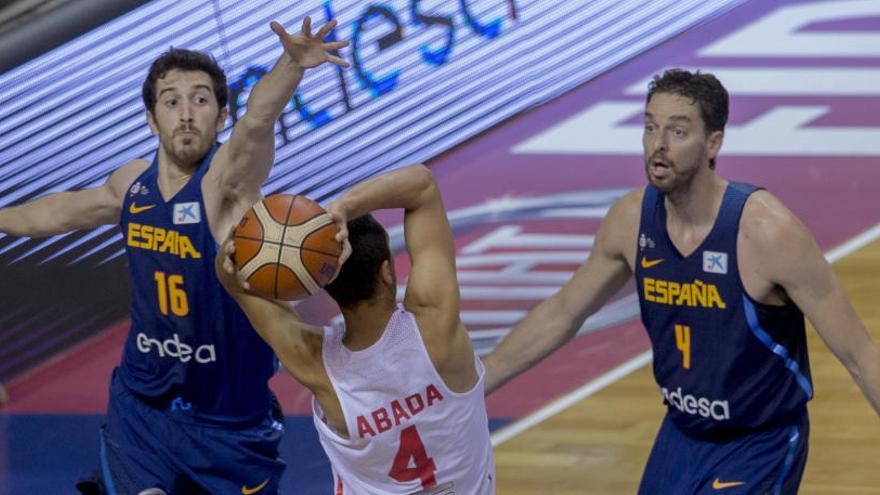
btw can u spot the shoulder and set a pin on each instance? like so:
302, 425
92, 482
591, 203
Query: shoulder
766, 224
122, 177
622, 220
130, 170
630, 205
136, 166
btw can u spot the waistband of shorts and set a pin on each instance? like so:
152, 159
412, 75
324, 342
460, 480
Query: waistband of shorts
721, 435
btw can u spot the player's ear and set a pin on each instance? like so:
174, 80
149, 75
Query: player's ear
713, 144
151, 120
221, 119
386, 273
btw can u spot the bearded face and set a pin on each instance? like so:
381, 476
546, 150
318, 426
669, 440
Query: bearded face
675, 142
186, 118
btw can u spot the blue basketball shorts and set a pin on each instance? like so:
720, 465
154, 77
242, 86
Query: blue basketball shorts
770, 461
143, 448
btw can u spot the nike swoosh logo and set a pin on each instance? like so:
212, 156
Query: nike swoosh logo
649, 264
720, 485
248, 491
135, 209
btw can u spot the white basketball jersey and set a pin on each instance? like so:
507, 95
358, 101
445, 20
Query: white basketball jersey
409, 433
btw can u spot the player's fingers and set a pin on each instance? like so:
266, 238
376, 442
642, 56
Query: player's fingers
346, 252
307, 26
278, 29
338, 61
343, 257
325, 29
334, 45
342, 235
284, 37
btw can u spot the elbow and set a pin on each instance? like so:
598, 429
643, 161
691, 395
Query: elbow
423, 176
863, 363
424, 182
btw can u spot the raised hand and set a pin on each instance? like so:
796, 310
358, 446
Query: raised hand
309, 50
340, 216
224, 265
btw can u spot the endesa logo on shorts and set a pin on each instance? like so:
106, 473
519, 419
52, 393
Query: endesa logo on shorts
174, 348
718, 410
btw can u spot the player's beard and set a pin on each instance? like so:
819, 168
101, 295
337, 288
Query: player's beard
189, 150
678, 178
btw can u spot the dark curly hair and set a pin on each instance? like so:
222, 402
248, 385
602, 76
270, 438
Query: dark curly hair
357, 280
189, 60
704, 89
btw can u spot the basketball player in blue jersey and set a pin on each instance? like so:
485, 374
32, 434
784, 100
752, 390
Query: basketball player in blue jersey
190, 409
725, 275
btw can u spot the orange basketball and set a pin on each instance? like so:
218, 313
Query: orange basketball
286, 248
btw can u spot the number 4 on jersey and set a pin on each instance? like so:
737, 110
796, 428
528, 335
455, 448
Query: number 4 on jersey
412, 461
683, 343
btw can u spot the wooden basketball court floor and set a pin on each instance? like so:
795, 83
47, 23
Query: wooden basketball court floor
600, 444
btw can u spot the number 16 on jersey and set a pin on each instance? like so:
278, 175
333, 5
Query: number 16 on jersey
170, 291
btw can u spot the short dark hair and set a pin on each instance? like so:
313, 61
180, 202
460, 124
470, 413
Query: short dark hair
189, 60
704, 89
358, 278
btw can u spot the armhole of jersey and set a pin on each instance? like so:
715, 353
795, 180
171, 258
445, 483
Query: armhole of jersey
649, 199
478, 365
331, 335
126, 193
748, 190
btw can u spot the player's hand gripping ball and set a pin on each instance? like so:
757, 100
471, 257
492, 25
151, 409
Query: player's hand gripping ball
286, 247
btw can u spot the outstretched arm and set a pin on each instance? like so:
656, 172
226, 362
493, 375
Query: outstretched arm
295, 342
247, 157
809, 281
71, 210
555, 321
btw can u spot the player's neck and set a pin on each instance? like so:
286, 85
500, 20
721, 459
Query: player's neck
172, 175
366, 322
698, 203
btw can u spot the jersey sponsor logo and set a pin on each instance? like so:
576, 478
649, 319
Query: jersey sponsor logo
134, 209
161, 240
718, 410
715, 262
138, 188
174, 348
381, 420
646, 242
721, 485
649, 264
696, 293
185, 213
250, 491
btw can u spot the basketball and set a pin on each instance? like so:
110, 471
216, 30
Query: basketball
286, 248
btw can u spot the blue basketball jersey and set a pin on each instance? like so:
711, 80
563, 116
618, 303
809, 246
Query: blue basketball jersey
190, 346
725, 363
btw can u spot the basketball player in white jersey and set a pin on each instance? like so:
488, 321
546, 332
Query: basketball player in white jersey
398, 392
